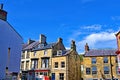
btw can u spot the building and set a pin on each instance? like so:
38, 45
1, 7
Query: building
38, 60
36, 57
10, 48
66, 64
100, 64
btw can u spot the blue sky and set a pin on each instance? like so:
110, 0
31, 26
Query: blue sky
86, 21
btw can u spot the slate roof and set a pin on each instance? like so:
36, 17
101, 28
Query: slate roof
33, 45
104, 52
65, 52
48, 46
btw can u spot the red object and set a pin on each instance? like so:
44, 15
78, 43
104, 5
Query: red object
41, 70
117, 52
46, 78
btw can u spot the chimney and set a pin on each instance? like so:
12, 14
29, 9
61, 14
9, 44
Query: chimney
3, 14
60, 40
73, 46
30, 41
42, 39
86, 47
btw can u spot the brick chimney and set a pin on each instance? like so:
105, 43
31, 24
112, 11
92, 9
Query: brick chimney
3, 14
60, 40
42, 39
73, 46
86, 47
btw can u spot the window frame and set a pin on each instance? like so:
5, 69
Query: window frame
93, 61
61, 76
94, 72
88, 72
62, 64
106, 71
105, 60
117, 70
55, 64
45, 61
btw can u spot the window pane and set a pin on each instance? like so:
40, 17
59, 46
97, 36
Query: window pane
93, 60
106, 70
45, 63
105, 59
94, 70
87, 70
62, 64
116, 59
61, 76
56, 64
117, 70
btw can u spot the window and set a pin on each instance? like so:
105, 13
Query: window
27, 65
28, 55
59, 52
45, 52
105, 59
44, 73
45, 62
88, 71
56, 64
23, 55
106, 70
22, 65
34, 53
117, 70
61, 76
116, 59
93, 60
62, 64
34, 64
94, 70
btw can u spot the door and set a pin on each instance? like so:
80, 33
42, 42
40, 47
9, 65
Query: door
53, 76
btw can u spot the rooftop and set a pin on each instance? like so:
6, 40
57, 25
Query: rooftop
101, 52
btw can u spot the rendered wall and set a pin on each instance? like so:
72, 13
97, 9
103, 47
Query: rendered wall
9, 38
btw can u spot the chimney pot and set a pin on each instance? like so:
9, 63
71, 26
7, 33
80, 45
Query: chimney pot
60, 39
86, 47
73, 46
3, 14
42, 39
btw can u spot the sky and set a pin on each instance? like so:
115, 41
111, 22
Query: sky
86, 21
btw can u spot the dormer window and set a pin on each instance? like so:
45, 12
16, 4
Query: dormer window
59, 52
40, 45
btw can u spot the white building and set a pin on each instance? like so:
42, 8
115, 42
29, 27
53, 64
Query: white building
10, 47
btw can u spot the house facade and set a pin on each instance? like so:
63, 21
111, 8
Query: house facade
36, 57
66, 64
10, 48
100, 64
39, 59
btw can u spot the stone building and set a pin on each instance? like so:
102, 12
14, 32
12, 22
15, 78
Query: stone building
100, 64
40, 59
66, 64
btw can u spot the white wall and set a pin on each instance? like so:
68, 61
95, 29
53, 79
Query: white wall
9, 38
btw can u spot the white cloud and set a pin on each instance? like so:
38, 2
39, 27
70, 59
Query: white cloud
115, 18
96, 40
85, 1
93, 27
